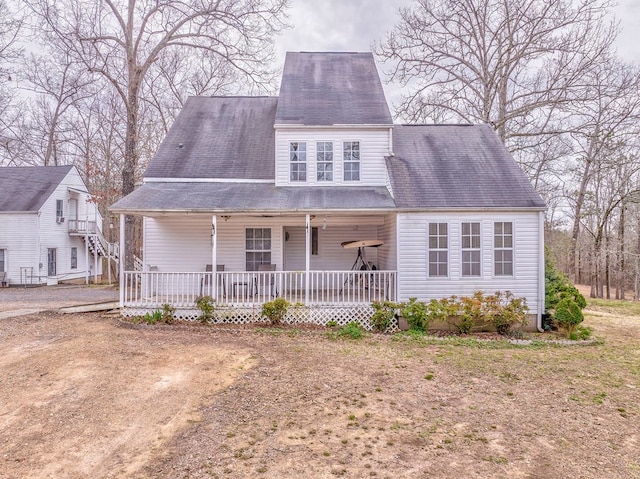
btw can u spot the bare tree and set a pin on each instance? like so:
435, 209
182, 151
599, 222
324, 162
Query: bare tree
123, 40
508, 63
58, 83
10, 25
602, 128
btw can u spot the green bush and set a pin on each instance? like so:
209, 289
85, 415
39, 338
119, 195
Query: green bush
416, 314
504, 311
383, 315
471, 312
351, 330
275, 310
206, 307
568, 315
558, 287
167, 313
152, 318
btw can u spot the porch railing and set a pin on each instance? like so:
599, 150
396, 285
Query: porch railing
152, 289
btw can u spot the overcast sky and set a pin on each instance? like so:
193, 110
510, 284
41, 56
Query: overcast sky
354, 25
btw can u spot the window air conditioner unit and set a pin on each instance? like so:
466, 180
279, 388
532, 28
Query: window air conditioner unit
60, 219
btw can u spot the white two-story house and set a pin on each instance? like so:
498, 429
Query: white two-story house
315, 195
50, 229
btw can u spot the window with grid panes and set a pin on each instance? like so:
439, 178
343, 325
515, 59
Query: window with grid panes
298, 161
324, 160
438, 249
257, 247
351, 160
470, 249
503, 248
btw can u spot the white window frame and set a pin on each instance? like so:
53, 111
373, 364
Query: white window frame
470, 248
59, 209
502, 244
74, 257
3, 260
300, 162
348, 160
324, 161
438, 244
257, 244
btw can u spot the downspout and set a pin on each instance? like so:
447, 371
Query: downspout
541, 272
123, 249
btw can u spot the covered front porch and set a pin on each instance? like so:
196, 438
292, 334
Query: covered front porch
260, 257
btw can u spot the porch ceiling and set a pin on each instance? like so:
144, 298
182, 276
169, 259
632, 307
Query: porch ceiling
251, 197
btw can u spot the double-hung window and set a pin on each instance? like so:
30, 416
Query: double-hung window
351, 160
324, 160
257, 247
298, 161
470, 249
503, 248
2, 261
438, 249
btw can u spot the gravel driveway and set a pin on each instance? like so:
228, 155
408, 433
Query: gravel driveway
53, 297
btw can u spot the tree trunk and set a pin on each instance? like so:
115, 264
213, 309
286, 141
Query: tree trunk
129, 169
577, 212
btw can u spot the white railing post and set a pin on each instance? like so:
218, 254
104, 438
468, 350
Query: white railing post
123, 248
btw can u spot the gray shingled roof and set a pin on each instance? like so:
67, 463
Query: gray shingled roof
25, 189
219, 137
251, 197
329, 88
456, 166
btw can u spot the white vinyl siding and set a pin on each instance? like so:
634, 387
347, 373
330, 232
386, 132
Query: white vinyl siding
413, 254
373, 148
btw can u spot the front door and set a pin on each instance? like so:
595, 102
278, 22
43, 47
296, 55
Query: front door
51, 262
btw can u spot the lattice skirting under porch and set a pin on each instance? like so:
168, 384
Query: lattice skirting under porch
317, 315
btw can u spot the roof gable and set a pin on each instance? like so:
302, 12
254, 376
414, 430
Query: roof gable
331, 88
26, 189
456, 166
219, 137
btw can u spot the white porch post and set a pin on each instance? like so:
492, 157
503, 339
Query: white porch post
86, 251
214, 256
95, 245
122, 262
307, 258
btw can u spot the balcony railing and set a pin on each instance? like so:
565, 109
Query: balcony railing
152, 289
82, 226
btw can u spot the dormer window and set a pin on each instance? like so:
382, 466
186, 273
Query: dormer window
351, 160
324, 160
298, 161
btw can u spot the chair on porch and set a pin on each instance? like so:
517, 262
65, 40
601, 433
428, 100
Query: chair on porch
207, 278
270, 278
3, 279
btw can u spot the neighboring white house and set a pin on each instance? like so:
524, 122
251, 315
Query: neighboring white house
297, 182
50, 230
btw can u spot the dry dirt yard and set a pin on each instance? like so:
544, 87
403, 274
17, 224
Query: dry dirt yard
83, 396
